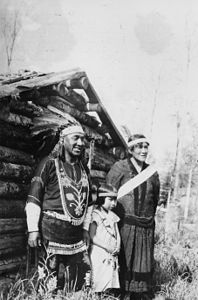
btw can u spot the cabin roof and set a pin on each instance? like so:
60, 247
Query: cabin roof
14, 86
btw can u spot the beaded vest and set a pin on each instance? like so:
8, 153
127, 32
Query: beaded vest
74, 195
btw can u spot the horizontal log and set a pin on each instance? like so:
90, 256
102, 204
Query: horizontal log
60, 99
77, 112
15, 137
15, 119
93, 107
77, 100
61, 104
15, 156
16, 249
100, 139
53, 78
8, 240
71, 97
24, 108
79, 115
98, 174
44, 101
20, 145
103, 155
15, 172
15, 89
10, 208
77, 83
15, 132
14, 144
18, 77
12, 264
100, 160
12, 225
60, 89
13, 190
51, 118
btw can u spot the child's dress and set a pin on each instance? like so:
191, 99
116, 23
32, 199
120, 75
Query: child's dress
106, 240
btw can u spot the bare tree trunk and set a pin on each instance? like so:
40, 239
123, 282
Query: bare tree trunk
155, 102
173, 192
9, 26
175, 172
167, 219
188, 194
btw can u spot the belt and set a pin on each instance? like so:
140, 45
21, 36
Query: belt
60, 230
145, 222
56, 215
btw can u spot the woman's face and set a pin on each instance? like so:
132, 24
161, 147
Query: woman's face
110, 203
139, 151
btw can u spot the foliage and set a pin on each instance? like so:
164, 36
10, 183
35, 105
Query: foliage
26, 289
29, 289
176, 264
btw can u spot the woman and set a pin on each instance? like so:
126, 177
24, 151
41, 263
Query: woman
136, 210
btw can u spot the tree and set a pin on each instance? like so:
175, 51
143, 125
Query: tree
9, 26
156, 93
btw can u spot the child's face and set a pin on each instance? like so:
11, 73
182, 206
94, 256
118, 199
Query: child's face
110, 203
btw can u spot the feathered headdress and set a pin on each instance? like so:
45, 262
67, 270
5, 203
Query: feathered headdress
49, 127
126, 132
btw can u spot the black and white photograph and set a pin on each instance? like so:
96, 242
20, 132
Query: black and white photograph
98, 150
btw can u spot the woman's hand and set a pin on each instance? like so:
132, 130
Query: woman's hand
34, 239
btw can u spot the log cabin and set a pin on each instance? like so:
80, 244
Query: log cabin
31, 104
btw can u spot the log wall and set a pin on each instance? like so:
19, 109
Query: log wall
25, 124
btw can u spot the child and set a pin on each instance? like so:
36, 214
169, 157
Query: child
105, 241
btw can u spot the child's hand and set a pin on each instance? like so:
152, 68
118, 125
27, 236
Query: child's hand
86, 237
115, 251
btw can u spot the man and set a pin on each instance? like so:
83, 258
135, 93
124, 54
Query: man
136, 209
58, 211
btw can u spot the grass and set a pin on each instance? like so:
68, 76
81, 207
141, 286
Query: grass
27, 289
176, 267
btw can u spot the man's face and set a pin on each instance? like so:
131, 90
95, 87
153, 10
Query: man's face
74, 143
140, 151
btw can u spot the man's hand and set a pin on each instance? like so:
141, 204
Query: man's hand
86, 237
34, 239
